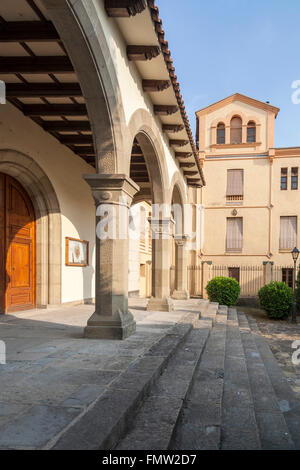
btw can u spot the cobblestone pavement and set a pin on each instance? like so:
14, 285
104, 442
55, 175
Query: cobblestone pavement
280, 335
53, 374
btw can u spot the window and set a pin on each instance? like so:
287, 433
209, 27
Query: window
234, 238
251, 132
288, 276
288, 233
294, 178
235, 185
236, 130
283, 179
235, 273
221, 133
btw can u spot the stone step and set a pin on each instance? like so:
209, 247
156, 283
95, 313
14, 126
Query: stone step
285, 396
273, 431
156, 419
107, 419
199, 427
239, 428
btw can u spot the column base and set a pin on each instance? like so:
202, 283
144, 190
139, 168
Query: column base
180, 295
107, 327
160, 305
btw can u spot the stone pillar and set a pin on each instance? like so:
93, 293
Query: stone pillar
181, 291
161, 245
267, 271
113, 196
206, 268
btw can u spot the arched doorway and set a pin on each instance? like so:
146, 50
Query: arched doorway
17, 247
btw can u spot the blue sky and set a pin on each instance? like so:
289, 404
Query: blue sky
222, 47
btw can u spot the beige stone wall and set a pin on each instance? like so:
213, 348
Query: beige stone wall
264, 202
64, 170
247, 112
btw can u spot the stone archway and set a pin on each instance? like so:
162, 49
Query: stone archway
48, 223
79, 27
180, 255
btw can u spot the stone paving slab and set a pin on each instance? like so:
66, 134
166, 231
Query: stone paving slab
155, 421
54, 376
199, 425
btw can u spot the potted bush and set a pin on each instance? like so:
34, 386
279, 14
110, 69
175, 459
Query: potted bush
276, 299
224, 290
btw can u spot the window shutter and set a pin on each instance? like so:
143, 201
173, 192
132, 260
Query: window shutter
288, 233
235, 183
234, 241
236, 130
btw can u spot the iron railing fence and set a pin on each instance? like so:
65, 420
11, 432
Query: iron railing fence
250, 277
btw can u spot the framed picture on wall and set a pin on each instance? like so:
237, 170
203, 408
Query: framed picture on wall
77, 252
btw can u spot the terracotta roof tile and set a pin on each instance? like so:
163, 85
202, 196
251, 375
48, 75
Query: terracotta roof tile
169, 62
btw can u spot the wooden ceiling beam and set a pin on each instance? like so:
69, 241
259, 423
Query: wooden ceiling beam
155, 85
187, 164
178, 143
124, 8
191, 173
138, 168
138, 161
35, 90
84, 150
194, 182
165, 110
173, 128
183, 154
72, 126
75, 139
54, 110
136, 151
36, 65
141, 179
31, 31
142, 53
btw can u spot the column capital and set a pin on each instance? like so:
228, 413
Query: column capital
107, 189
181, 240
161, 225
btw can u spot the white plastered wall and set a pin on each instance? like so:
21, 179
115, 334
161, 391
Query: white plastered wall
65, 170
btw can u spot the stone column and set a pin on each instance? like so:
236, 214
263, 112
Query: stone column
181, 291
113, 196
161, 245
206, 268
267, 271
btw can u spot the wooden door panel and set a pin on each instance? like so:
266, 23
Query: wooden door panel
20, 272
2, 244
20, 247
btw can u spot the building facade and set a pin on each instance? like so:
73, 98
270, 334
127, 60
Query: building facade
252, 195
93, 122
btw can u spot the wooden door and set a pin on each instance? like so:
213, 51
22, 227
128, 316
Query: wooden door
2, 243
19, 222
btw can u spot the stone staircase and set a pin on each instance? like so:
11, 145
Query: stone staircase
223, 389
210, 383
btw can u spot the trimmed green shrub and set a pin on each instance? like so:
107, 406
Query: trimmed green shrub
276, 299
224, 290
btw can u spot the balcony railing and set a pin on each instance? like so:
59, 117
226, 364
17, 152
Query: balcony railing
234, 198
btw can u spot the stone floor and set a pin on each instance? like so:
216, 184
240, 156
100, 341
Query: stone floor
52, 373
280, 336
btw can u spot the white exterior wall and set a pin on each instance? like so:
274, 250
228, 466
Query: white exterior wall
130, 82
65, 170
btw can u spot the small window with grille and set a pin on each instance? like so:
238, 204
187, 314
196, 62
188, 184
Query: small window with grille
283, 179
294, 178
288, 276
